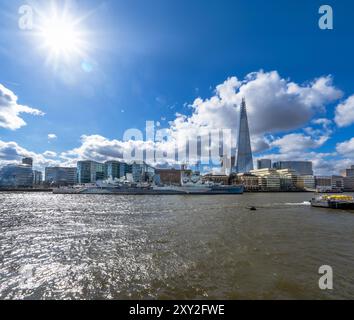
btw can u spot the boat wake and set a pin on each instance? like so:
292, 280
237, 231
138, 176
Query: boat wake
305, 203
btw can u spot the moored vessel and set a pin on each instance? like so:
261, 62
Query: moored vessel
334, 202
193, 185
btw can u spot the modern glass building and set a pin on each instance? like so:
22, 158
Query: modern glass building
16, 176
303, 168
90, 171
28, 161
244, 156
37, 177
264, 164
116, 169
348, 172
142, 172
61, 176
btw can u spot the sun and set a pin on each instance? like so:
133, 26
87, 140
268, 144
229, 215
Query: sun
61, 36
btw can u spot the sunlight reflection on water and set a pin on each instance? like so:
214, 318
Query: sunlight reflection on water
180, 247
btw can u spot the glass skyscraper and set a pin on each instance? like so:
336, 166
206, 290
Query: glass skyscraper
16, 176
244, 156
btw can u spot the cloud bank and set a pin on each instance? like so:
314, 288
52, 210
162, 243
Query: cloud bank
10, 110
287, 121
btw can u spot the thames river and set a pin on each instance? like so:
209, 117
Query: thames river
172, 247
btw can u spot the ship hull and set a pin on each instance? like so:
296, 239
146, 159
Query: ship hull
342, 205
152, 191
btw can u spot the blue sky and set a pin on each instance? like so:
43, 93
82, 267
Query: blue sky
149, 60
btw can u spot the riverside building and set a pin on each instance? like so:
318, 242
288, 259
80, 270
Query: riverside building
303, 168
264, 164
61, 176
16, 176
268, 179
90, 172
348, 172
116, 169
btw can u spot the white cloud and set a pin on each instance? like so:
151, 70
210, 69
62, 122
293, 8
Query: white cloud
274, 104
10, 110
50, 154
346, 148
11, 152
52, 136
345, 113
298, 142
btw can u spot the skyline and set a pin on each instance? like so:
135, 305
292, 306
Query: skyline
141, 64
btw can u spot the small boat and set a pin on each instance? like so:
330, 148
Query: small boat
334, 202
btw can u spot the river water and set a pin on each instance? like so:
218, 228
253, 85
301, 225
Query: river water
172, 247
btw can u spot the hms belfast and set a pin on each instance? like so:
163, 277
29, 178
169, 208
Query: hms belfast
190, 185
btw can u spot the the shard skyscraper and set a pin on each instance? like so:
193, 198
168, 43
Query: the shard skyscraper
244, 158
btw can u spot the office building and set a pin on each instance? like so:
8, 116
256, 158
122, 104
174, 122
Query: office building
323, 183
244, 158
169, 176
142, 172
348, 172
288, 179
249, 181
337, 183
16, 176
329, 183
37, 178
306, 182
348, 183
268, 179
28, 162
264, 164
303, 168
61, 176
90, 171
117, 169
113, 170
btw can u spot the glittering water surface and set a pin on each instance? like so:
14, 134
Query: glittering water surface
176, 247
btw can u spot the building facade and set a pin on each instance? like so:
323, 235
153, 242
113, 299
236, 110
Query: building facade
112, 170
329, 183
37, 178
264, 164
268, 179
223, 179
348, 183
348, 172
288, 179
28, 162
90, 172
306, 182
249, 181
169, 176
303, 168
61, 176
16, 176
142, 172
